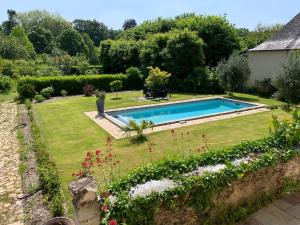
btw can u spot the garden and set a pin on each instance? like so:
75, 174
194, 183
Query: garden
57, 71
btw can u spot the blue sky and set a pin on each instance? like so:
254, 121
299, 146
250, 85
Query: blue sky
243, 13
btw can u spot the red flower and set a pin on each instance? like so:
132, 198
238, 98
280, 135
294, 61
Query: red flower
98, 152
113, 222
98, 160
84, 165
110, 155
104, 208
91, 164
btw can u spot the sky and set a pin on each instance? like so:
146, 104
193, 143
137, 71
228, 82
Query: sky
242, 13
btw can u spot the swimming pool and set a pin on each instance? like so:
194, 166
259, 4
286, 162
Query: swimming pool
178, 112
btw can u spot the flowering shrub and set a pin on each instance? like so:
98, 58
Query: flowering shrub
102, 160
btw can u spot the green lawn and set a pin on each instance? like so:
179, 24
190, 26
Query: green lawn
68, 133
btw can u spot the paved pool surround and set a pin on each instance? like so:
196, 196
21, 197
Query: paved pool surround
114, 128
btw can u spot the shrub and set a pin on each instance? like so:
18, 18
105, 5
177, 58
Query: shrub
27, 103
234, 73
39, 98
116, 86
47, 92
264, 87
135, 76
5, 84
157, 79
26, 90
288, 80
63, 93
74, 84
8, 68
88, 90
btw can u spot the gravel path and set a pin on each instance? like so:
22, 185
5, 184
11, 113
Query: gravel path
11, 210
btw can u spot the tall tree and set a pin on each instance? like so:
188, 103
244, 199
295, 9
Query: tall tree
8, 25
129, 23
41, 39
72, 42
96, 30
92, 55
53, 22
19, 33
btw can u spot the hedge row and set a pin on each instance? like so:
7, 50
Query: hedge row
74, 84
48, 174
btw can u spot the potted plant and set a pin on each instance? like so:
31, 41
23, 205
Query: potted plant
100, 95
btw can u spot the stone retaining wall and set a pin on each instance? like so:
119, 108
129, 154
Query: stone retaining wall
235, 194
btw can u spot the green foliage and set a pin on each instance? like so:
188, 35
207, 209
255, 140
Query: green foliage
48, 174
5, 84
116, 85
271, 150
136, 77
157, 79
11, 48
234, 73
220, 37
73, 84
28, 104
39, 98
117, 56
9, 24
263, 88
26, 90
288, 80
53, 22
41, 39
92, 55
7, 68
72, 42
19, 33
129, 23
251, 39
97, 31
63, 93
47, 92
138, 128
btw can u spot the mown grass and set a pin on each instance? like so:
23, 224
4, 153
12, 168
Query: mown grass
68, 134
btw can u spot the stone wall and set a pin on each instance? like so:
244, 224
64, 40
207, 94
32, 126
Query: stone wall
237, 193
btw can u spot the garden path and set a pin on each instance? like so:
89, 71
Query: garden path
285, 211
11, 211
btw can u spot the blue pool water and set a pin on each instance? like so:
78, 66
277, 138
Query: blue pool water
179, 111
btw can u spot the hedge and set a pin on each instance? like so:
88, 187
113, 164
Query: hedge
74, 84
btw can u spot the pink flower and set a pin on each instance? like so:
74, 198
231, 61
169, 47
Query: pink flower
113, 222
104, 208
98, 152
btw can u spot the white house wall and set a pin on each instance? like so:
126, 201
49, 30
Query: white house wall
265, 64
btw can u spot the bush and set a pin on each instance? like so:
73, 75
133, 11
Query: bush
8, 68
116, 85
135, 76
27, 103
264, 88
63, 93
39, 98
74, 84
26, 90
5, 84
47, 92
234, 73
157, 79
288, 80
88, 90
